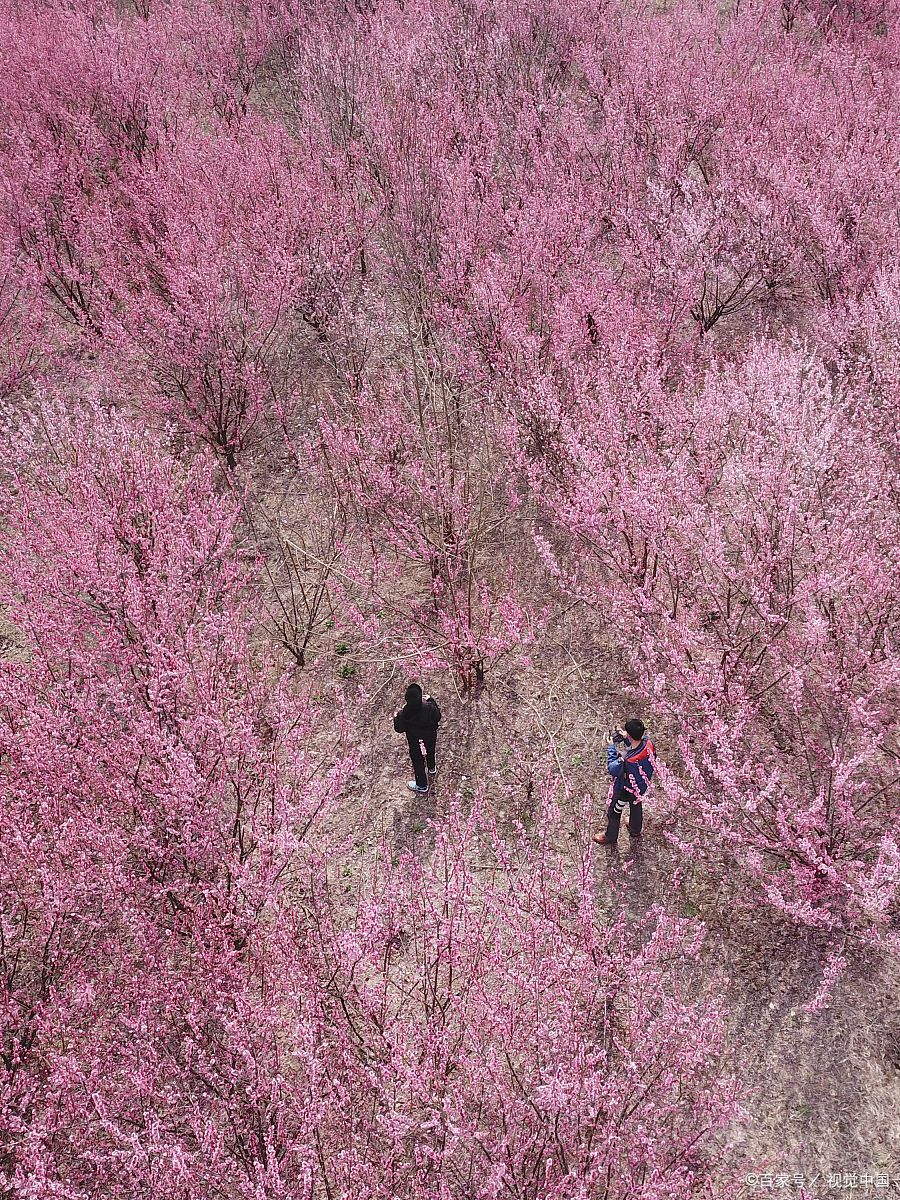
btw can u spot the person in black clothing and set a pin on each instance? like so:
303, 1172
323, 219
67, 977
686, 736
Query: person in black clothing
418, 719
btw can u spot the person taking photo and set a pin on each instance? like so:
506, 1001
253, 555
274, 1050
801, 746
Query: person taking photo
630, 761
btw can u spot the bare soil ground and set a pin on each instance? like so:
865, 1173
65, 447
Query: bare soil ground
824, 1087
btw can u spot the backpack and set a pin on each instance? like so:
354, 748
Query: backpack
433, 705
637, 755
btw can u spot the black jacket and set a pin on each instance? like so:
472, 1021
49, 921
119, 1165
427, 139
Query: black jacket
419, 721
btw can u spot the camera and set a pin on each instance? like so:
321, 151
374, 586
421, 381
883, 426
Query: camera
617, 737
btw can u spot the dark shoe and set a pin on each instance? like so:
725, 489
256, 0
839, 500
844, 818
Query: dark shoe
602, 840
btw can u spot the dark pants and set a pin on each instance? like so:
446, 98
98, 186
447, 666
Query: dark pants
415, 753
614, 815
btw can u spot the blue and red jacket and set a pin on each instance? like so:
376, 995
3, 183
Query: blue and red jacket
631, 775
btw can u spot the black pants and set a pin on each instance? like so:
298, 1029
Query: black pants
415, 753
614, 815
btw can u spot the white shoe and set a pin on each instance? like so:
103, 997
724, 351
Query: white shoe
414, 787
